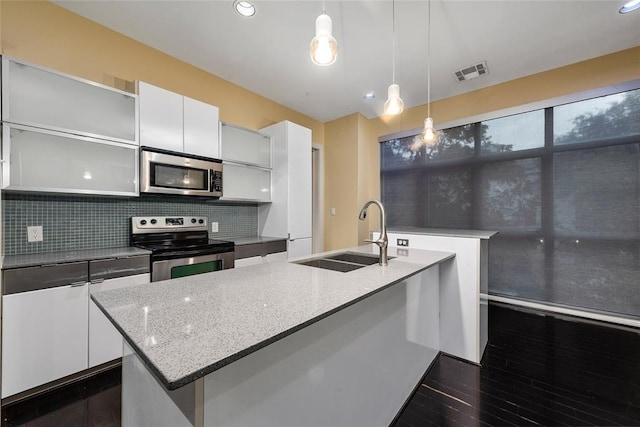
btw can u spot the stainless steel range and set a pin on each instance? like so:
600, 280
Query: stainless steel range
180, 246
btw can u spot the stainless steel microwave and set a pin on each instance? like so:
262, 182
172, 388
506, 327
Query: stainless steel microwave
169, 172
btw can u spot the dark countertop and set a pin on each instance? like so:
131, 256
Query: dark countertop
30, 260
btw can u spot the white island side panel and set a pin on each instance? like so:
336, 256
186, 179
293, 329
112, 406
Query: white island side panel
355, 367
463, 329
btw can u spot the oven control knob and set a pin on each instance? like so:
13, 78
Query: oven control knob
153, 221
193, 220
143, 222
201, 221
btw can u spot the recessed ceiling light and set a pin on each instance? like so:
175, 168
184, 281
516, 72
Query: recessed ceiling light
244, 8
630, 6
369, 96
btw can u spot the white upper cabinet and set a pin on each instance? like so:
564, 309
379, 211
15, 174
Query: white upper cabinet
246, 183
245, 146
48, 161
160, 118
200, 128
66, 135
170, 121
35, 96
246, 156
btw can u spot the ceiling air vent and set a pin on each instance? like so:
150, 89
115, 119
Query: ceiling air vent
471, 72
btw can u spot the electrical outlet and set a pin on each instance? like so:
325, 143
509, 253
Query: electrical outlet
34, 233
214, 227
403, 242
333, 211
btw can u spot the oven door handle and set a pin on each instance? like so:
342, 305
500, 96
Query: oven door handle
192, 253
161, 269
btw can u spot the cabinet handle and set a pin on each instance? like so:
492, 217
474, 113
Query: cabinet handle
76, 284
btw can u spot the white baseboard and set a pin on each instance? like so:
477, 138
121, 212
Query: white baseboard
568, 311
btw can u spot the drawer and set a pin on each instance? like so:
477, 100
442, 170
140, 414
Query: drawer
112, 268
27, 279
260, 249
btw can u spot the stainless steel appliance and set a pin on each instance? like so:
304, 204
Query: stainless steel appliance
169, 172
180, 246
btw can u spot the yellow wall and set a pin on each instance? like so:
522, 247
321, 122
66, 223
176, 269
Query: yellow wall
600, 72
45, 34
604, 71
341, 182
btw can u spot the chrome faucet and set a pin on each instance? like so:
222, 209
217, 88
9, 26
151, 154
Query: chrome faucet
383, 241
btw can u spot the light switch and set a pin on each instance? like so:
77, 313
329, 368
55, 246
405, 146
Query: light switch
333, 211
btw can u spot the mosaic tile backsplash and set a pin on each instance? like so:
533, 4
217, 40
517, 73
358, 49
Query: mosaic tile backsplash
71, 222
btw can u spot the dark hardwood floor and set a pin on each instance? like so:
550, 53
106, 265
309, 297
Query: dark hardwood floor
93, 402
537, 370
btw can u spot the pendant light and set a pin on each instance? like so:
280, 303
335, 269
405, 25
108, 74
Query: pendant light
393, 105
429, 134
323, 47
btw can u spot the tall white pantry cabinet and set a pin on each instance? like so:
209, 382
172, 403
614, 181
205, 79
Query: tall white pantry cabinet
290, 211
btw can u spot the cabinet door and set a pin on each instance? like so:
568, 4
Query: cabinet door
41, 160
248, 261
43, 98
300, 247
44, 336
278, 256
300, 190
246, 183
161, 118
245, 146
105, 342
200, 128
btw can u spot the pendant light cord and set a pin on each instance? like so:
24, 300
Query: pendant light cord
429, 60
393, 44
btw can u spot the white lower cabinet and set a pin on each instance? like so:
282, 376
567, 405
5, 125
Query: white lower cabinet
244, 262
300, 247
105, 342
278, 256
44, 336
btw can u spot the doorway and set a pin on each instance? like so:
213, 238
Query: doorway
317, 198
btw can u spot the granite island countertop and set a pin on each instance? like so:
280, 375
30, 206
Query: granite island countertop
186, 328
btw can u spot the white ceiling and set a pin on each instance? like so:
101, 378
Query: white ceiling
269, 52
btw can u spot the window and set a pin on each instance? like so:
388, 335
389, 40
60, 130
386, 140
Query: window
561, 185
513, 133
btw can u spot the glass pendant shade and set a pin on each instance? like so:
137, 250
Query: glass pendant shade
429, 135
323, 47
393, 104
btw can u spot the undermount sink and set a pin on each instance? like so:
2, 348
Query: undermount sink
342, 262
355, 258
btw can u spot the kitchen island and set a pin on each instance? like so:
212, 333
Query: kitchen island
278, 343
464, 284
